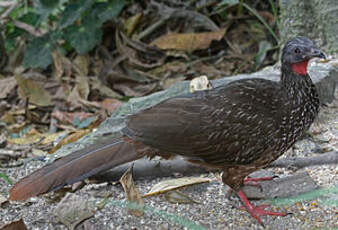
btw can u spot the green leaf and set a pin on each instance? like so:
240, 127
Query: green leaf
105, 11
6, 178
51, 4
73, 11
30, 18
46, 7
83, 38
38, 51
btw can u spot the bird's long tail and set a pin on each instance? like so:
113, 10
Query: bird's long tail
75, 167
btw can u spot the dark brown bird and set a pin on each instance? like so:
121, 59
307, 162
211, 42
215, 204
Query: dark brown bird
237, 128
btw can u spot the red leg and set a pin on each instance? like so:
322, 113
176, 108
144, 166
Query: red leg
253, 181
257, 211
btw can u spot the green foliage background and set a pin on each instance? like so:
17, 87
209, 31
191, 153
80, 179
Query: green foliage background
65, 24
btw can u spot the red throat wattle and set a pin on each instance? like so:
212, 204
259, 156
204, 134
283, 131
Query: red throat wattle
300, 67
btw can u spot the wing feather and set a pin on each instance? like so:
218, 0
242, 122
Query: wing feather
215, 126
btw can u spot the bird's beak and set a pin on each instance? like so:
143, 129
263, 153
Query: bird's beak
315, 52
322, 55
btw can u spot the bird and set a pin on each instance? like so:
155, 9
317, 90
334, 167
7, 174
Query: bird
237, 128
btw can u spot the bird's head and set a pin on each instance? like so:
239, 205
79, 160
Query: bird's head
297, 52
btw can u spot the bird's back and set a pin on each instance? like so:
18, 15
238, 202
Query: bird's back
232, 124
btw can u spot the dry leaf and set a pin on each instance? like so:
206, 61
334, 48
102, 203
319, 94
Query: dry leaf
138, 53
6, 86
57, 64
188, 41
8, 118
103, 89
68, 118
110, 104
177, 197
135, 90
33, 90
70, 138
81, 64
131, 23
82, 86
132, 193
73, 209
62, 66
23, 111
26, 140
172, 184
35, 137
38, 152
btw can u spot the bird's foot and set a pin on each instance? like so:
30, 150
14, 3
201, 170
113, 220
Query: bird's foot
257, 211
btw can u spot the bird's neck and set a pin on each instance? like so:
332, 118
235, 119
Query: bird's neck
301, 90
295, 78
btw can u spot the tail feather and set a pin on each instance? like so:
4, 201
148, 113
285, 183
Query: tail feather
74, 167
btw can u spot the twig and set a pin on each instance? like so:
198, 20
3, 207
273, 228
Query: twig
11, 6
152, 28
301, 162
5, 4
30, 29
144, 168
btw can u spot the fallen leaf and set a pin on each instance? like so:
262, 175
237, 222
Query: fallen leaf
79, 91
68, 117
70, 138
26, 140
103, 89
52, 137
138, 53
188, 41
81, 64
6, 86
8, 118
135, 90
131, 23
73, 209
82, 86
132, 193
57, 64
110, 104
165, 186
177, 197
23, 111
35, 137
38, 152
33, 90
14, 225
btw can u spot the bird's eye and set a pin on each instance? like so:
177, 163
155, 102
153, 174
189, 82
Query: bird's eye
297, 51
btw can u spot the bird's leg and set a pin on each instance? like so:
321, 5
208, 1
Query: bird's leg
253, 181
257, 211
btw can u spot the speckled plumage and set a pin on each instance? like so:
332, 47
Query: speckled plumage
239, 127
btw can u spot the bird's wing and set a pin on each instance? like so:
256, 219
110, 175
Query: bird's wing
215, 126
